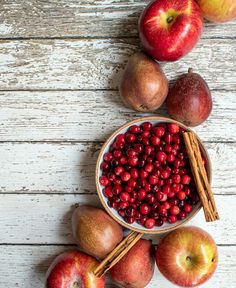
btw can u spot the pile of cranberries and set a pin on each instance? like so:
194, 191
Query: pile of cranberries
146, 175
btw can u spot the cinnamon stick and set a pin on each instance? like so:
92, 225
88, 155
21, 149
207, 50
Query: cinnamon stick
200, 177
121, 249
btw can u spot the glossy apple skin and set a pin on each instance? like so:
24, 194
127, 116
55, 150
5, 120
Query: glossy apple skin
187, 256
136, 268
170, 41
73, 267
218, 11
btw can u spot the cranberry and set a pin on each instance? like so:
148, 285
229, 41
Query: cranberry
119, 170
181, 203
117, 181
172, 219
168, 138
170, 194
175, 187
155, 140
107, 191
165, 174
123, 205
155, 206
187, 190
181, 156
153, 180
170, 157
173, 128
113, 204
149, 150
141, 194
143, 174
176, 147
181, 195
176, 140
138, 215
130, 211
185, 179
104, 181
130, 137
166, 205
161, 196
173, 202
142, 220
150, 198
150, 223
147, 126
154, 215
130, 220
105, 166
125, 176
147, 187
149, 160
146, 142
176, 178
159, 222
167, 148
133, 194
108, 157
132, 183
161, 156
124, 196
117, 189
135, 129
145, 208
146, 134
162, 210
138, 148
111, 176
177, 162
133, 161
166, 189
117, 153
188, 208
148, 168
141, 163
155, 188
182, 215
169, 181
123, 160
161, 182
121, 213
174, 210
157, 164
159, 131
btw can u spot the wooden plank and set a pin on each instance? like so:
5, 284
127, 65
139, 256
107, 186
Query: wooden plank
69, 116
45, 219
92, 18
25, 267
98, 64
70, 168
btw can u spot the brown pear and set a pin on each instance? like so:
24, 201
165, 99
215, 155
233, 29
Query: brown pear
144, 86
95, 231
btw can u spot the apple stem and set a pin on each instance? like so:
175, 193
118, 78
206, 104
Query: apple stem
170, 19
190, 70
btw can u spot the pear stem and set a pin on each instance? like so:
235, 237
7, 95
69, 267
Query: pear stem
190, 70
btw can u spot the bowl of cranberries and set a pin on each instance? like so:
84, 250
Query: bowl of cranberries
143, 176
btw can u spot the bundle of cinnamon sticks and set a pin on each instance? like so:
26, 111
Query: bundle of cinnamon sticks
200, 177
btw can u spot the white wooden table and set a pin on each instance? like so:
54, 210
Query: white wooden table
60, 65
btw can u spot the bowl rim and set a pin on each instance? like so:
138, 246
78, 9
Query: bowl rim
99, 192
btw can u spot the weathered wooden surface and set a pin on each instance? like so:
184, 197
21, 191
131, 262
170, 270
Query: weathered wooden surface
98, 63
92, 115
30, 264
93, 18
50, 137
46, 219
70, 168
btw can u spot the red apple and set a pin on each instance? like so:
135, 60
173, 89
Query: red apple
218, 11
169, 29
187, 256
73, 269
135, 269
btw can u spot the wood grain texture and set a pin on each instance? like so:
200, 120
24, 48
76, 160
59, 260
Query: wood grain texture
94, 18
98, 64
70, 168
91, 116
26, 267
45, 219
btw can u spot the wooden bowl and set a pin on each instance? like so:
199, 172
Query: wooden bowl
112, 212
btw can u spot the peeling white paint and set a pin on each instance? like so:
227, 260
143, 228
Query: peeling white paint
5, 29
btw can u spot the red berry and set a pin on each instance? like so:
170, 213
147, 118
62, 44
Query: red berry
149, 149
105, 166
174, 210
181, 195
161, 196
141, 194
188, 208
165, 174
167, 205
121, 212
150, 223
143, 174
159, 131
144, 208
150, 198
172, 219
123, 205
133, 161
125, 176
167, 148
124, 196
134, 173
107, 157
185, 179
176, 178
135, 129
182, 215
173, 128
162, 210
159, 222
147, 126
130, 220
176, 140
103, 180
107, 191
119, 170
177, 163
138, 148
161, 156
130, 137
166, 189
155, 140
153, 180
170, 157
148, 168
123, 160
168, 138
